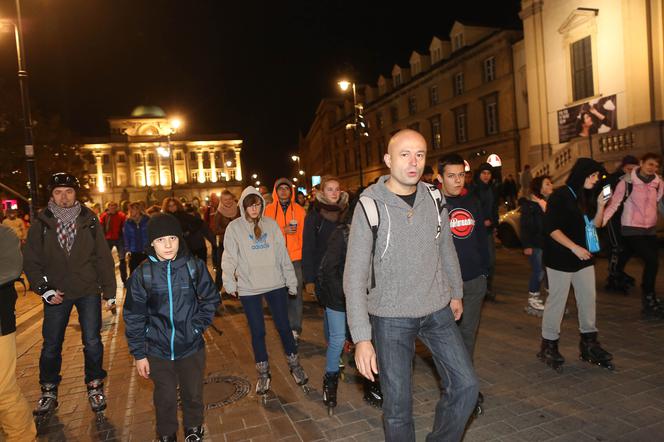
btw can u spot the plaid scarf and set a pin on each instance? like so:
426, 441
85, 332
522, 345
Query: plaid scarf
66, 223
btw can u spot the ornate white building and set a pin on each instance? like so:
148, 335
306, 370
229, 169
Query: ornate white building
146, 150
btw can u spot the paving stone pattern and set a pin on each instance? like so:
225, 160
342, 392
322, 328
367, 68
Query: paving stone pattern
524, 400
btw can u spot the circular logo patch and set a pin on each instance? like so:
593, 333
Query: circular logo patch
462, 223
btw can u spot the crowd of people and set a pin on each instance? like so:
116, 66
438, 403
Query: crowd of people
410, 257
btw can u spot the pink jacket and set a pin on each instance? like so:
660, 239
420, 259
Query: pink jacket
640, 209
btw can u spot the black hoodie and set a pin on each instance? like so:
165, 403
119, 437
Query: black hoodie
563, 213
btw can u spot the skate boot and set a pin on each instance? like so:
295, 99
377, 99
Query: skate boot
194, 434
330, 384
535, 306
478, 405
653, 308
618, 284
592, 352
96, 397
264, 380
297, 371
550, 356
46, 405
373, 394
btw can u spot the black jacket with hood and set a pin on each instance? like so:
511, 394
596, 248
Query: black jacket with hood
563, 212
169, 321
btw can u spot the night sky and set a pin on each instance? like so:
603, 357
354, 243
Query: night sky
256, 68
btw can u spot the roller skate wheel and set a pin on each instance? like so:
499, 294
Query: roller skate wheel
306, 389
558, 368
264, 398
330, 411
99, 417
478, 410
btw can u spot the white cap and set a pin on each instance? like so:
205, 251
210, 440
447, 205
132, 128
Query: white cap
466, 166
494, 160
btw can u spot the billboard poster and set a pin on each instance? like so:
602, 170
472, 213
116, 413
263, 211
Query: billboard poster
586, 119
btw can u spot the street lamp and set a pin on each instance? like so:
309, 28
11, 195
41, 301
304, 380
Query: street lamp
25, 106
358, 125
173, 125
254, 176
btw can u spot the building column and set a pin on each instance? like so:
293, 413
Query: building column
158, 164
101, 185
213, 167
238, 166
201, 174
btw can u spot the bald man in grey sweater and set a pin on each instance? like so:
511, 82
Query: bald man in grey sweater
417, 294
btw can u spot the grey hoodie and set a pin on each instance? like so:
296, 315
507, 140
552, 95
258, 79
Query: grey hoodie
416, 274
251, 266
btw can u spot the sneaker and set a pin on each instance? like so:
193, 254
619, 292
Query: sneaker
535, 302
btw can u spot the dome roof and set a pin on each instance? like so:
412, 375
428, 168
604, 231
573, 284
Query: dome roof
144, 111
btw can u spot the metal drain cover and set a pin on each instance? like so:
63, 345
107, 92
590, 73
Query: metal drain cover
220, 391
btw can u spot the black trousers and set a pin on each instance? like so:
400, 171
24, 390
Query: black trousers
167, 375
646, 248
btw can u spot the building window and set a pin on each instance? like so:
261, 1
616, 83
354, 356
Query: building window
122, 179
194, 176
381, 148
92, 180
582, 69
380, 122
178, 155
192, 156
435, 55
217, 155
394, 114
106, 159
458, 83
397, 80
108, 181
367, 153
138, 158
207, 175
122, 158
412, 105
491, 114
138, 179
150, 158
433, 96
414, 126
460, 124
457, 42
489, 69
434, 122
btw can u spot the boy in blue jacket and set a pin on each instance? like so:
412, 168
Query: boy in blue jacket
171, 300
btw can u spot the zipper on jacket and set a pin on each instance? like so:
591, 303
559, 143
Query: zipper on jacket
170, 306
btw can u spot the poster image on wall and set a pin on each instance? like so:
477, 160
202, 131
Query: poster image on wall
592, 117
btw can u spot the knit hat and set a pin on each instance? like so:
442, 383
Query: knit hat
485, 166
629, 159
163, 224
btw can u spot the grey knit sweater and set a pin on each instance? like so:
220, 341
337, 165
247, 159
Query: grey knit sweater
416, 274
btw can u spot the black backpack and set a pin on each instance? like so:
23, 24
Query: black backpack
146, 274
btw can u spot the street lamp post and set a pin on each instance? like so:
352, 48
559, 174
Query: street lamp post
25, 106
358, 120
174, 125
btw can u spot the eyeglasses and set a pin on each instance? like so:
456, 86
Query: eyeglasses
256, 206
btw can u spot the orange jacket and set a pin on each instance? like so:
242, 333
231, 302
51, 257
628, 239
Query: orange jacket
294, 211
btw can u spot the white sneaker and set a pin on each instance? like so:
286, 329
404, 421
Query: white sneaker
535, 302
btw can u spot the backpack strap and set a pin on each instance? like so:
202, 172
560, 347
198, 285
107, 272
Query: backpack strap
146, 274
437, 198
193, 273
370, 209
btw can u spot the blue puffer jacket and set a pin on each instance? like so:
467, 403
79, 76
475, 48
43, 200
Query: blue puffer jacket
169, 322
136, 234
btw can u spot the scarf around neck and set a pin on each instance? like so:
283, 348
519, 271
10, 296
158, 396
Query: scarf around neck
66, 223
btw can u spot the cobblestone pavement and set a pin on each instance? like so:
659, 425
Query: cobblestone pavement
524, 399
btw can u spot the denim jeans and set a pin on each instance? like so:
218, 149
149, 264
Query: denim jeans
536, 271
253, 309
335, 334
395, 347
56, 318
